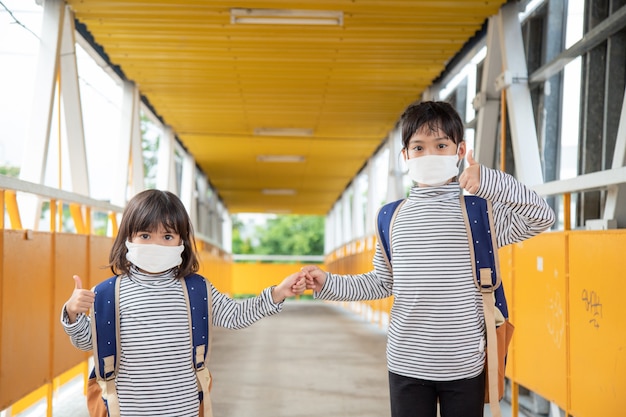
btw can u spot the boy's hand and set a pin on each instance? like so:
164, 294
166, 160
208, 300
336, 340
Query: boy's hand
80, 301
294, 284
469, 179
315, 277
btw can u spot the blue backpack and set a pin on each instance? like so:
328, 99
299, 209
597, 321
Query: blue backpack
477, 213
105, 323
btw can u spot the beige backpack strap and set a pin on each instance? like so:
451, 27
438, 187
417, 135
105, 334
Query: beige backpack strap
489, 307
204, 376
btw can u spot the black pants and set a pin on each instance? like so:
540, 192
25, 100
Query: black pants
411, 397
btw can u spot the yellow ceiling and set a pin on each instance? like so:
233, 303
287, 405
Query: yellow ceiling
215, 83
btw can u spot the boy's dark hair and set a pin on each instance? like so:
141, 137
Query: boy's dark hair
145, 212
431, 116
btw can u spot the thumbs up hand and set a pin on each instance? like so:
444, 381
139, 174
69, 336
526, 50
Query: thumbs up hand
469, 180
80, 301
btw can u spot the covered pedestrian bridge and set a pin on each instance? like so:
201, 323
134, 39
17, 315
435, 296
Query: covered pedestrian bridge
280, 107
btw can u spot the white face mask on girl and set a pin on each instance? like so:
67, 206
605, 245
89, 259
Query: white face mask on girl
433, 170
154, 258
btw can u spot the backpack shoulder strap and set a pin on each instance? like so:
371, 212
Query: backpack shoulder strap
198, 297
479, 224
477, 213
105, 330
384, 220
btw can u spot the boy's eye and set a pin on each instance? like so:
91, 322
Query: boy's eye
417, 148
442, 146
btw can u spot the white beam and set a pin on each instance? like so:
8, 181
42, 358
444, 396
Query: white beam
358, 224
395, 190
372, 195
346, 212
120, 186
615, 204
70, 91
519, 104
166, 179
35, 149
487, 102
137, 183
187, 188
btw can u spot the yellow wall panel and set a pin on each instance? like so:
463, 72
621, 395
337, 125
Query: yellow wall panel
26, 314
598, 323
539, 301
215, 266
252, 278
539, 344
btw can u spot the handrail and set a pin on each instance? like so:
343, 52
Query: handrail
583, 182
56, 194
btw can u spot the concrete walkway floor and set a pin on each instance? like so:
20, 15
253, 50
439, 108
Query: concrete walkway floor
315, 359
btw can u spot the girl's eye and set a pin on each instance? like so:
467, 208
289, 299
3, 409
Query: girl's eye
144, 236
168, 237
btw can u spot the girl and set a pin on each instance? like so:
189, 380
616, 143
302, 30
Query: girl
436, 343
152, 251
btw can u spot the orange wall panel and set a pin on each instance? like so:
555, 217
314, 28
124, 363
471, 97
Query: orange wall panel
70, 258
26, 314
99, 249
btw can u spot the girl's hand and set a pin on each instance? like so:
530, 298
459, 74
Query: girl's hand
294, 284
80, 301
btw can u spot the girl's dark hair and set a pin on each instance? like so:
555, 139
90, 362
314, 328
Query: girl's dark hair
431, 116
145, 212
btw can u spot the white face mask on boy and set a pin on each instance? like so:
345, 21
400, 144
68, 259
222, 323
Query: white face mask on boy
154, 258
433, 170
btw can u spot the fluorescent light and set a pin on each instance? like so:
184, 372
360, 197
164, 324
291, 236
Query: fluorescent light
285, 17
280, 158
283, 131
278, 191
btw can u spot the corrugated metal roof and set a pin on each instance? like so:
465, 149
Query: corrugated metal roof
217, 83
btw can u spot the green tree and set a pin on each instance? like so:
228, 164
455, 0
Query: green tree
10, 171
241, 245
292, 235
150, 139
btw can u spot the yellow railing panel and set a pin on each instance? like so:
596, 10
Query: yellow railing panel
252, 278
538, 354
598, 323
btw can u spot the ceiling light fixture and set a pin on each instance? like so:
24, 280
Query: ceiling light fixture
285, 17
280, 158
278, 191
283, 131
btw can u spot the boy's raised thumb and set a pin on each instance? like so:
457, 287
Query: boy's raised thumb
78, 285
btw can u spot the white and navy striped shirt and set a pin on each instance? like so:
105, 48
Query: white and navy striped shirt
156, 375
436, 330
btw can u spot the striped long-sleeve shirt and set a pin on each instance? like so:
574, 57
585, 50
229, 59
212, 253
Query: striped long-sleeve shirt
156, 376
436, 330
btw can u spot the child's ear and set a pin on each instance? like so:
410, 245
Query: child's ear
462, 150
